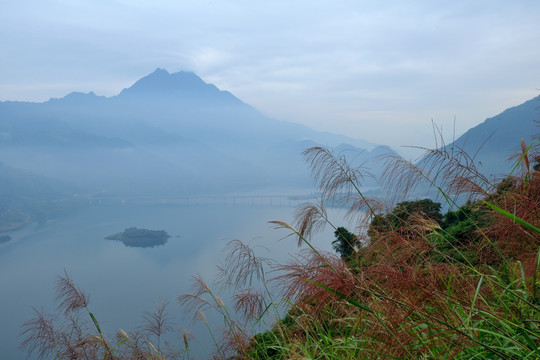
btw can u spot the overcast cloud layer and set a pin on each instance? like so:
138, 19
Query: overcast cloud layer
380, 71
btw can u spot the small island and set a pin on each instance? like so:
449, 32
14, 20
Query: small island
140, 237
4, 238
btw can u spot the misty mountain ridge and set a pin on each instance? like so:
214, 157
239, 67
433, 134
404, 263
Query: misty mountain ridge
166, 134
175, 135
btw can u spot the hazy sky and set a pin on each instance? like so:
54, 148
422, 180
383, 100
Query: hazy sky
376, 70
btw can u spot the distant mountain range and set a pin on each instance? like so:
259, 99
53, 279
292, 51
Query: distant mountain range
174, 134
166, 134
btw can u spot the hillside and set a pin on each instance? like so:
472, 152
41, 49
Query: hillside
498, 138
26, 197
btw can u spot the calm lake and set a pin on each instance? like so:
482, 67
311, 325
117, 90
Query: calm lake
124, 281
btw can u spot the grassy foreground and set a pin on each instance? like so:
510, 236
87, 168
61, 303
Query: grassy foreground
412, 284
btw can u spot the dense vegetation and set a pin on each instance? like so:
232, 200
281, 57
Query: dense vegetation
140, 237
413, 283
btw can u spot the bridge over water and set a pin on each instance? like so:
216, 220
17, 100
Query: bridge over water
218, 200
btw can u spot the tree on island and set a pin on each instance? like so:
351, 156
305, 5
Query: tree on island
140, 237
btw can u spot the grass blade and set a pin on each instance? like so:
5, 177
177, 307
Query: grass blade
512, 217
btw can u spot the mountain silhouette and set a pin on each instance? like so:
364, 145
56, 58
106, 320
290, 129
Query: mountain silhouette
165, 134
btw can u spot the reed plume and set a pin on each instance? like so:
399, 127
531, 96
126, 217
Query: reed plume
157, 322
40, 334
69, 296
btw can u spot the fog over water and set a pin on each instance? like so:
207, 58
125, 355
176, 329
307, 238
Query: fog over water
125, 281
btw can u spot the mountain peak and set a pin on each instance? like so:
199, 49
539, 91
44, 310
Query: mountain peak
163, 84
160, 71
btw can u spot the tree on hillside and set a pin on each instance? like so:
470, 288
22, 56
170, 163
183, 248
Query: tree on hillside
404, 215
345, 242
